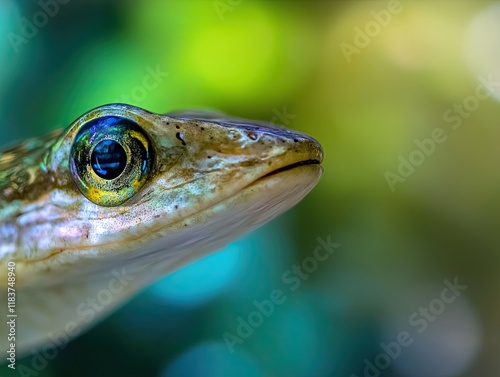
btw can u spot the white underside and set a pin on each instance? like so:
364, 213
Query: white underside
45, 314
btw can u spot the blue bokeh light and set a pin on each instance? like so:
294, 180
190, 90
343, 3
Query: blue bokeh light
212, 359
199, 282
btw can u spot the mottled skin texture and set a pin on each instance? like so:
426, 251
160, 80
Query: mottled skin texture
21, 174
211, 181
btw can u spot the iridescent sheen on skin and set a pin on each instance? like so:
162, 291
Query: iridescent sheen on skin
211, 179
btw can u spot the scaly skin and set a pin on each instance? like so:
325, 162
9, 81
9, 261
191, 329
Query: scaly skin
211, 181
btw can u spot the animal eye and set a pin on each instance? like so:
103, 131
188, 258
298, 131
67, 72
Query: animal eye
111, 159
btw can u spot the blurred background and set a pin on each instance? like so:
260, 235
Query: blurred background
403, 96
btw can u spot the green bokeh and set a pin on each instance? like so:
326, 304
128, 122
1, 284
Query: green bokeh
258, 59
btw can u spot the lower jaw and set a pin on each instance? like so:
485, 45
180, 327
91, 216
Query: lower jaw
253, 206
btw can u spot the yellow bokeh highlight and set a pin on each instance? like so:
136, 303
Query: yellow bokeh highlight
235, 56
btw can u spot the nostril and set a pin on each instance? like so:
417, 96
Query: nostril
252, 135
178, 135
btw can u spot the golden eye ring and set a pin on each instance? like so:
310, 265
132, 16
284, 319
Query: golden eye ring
111, 159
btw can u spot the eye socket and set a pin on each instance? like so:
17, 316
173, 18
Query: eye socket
111, 159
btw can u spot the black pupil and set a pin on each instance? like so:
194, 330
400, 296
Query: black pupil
108, 159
